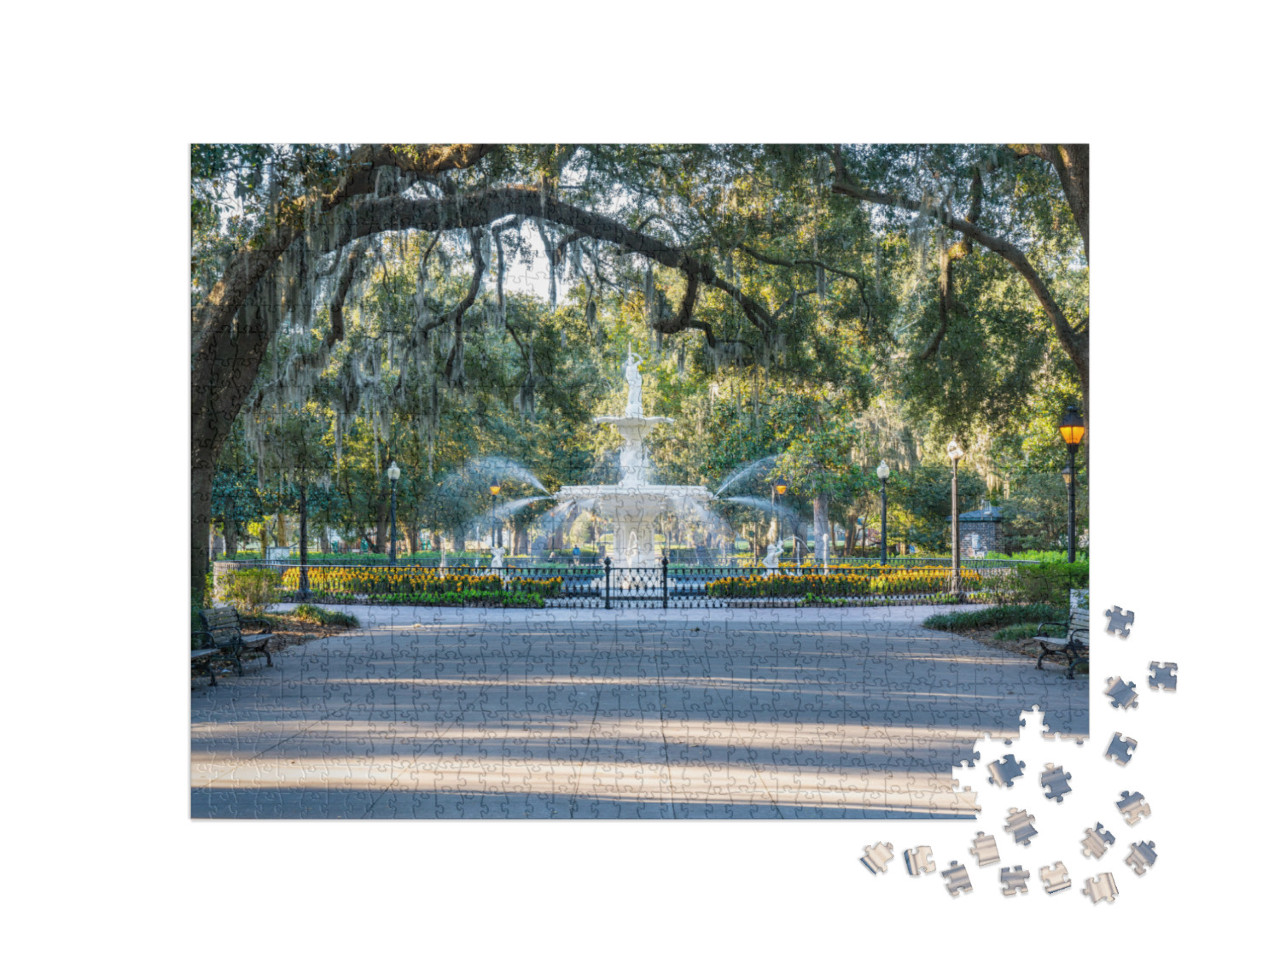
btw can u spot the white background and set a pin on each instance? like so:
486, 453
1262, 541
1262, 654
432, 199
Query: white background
102, 104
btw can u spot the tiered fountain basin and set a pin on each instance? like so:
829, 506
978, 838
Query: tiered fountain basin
632, 510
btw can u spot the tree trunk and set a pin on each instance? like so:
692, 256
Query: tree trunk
821, 525
201, 511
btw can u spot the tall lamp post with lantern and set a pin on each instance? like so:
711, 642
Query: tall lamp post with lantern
955, 453
882, 472
494, 489
779, 489
1072, 430
393, 473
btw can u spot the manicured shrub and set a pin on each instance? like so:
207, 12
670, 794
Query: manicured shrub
250, 589
1027, 630
1050, 582
995, 617
313, 613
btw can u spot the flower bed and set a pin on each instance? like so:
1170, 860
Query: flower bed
378, 583
866, 580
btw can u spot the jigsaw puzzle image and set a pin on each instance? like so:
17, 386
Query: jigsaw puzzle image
637, 481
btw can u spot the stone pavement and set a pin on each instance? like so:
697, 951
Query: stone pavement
427, 712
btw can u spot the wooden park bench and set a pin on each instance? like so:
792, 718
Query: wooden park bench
1074, 648
220, 635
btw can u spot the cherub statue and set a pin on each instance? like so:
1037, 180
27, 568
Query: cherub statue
496, 562
771, 557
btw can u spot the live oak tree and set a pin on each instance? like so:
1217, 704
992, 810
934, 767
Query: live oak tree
979, 216
302, 242
377, 280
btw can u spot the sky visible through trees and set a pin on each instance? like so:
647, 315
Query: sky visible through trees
830, 305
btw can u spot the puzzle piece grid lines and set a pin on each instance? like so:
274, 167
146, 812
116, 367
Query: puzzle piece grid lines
1004, 772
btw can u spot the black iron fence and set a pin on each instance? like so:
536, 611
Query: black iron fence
665, 585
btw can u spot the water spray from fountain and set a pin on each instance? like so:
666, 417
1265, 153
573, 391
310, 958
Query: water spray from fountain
756, 467
480, 470
764, 505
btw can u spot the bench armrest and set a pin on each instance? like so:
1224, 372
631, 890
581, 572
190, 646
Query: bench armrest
1043, 624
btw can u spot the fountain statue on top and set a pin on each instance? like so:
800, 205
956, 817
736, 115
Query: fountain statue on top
632, 374
633, 426
633, 505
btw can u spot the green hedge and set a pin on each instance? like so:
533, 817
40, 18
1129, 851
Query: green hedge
996, 616
1050, 582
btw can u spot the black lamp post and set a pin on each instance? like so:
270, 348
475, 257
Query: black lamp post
1072, 429
882, 472
394, 474
304, 584
494, 488
955, 453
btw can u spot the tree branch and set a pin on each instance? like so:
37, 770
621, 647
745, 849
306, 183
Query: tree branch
1071, 341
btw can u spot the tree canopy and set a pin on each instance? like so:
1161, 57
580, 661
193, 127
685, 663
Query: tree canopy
354, 304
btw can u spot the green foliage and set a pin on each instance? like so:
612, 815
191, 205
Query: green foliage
251, 589
1036, 513
1050, 582
313, 613
1028, 630
920, 505
995, 616
1035, 556
851, 291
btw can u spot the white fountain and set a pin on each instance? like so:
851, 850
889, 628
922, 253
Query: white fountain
633, 505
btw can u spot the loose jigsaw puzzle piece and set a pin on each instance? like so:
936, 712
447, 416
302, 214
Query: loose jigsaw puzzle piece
918, 860
957, 879
1014, 880
1102, 886
1019, 824
1122, 694
1118, 622
1005, 770
1141, 856
1163, 676
1055, 878
877, 858
1096, 841
1054, 781
1121, 749
984, 849
1133, 806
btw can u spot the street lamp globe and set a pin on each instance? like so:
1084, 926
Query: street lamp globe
954, 451
494, 488
1072, 427
1068, 475
394, 472
882, 472
780, 486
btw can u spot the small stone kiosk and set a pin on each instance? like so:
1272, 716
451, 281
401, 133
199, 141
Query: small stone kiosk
980, 531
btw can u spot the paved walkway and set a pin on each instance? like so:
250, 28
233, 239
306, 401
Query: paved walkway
426, 713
